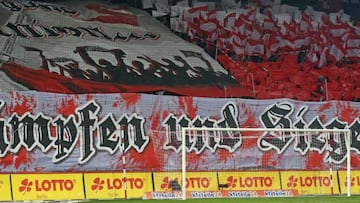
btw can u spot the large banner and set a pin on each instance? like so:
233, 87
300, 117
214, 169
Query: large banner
89, 46
141, 132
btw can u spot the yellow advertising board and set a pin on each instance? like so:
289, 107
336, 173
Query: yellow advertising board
195, 181
310, 182
5, 187
49, 186
355, 181
115, 186
250, 180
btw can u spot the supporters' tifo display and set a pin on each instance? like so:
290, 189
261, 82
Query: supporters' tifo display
335, 148
295, 51
47, 133
101, 101
91, 46
217, 181
278, 30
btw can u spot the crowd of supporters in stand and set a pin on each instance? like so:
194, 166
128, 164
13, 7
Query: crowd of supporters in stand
279, 51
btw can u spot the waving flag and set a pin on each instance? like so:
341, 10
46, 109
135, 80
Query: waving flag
91, 46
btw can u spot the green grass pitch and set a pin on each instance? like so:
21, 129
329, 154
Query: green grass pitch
307, 199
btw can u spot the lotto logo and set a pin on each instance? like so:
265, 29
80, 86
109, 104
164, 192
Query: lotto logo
308, 181
191, 182
46, 185
249, 182
116, 183
355, 181
25, 186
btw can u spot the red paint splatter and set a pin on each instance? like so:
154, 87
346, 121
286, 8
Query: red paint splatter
223, 155
20, 104
7, 161
346, 113
186, 104
130, 99
193, 159
157, 137
39, 169
322, 118
21, 158
267, 159
153, 162
355, 160
314, 160
89, 97
116, 103
68, 106
250, 138
325, 106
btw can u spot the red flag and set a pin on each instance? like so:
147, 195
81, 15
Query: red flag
211, 14
239, 43
323, 60
269, 25
255, 47
250, 16
312, 57
336, 53
195, 13
113, 15
353, 41
353, 54
271, 44
256, 34
230, 20
209, 27
198, 9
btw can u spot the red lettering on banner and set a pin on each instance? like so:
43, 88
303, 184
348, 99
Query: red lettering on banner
191, 182
197, 182
315, 181
137, 183
54, 185
117, 183
255, 182
354, 181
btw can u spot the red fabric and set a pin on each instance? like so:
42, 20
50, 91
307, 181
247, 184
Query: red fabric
113, 15
357, 93
35, 79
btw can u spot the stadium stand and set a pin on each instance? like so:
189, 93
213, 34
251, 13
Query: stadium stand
82, 106
307, 51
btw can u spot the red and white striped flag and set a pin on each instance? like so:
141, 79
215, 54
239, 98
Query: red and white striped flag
353, 55
336, 53
230, 19
323, 59
255, 47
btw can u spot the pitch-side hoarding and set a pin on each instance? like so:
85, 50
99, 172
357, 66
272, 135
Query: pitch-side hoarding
47, 186
5, 187
117, 185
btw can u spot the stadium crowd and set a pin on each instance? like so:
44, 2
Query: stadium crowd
277, 50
